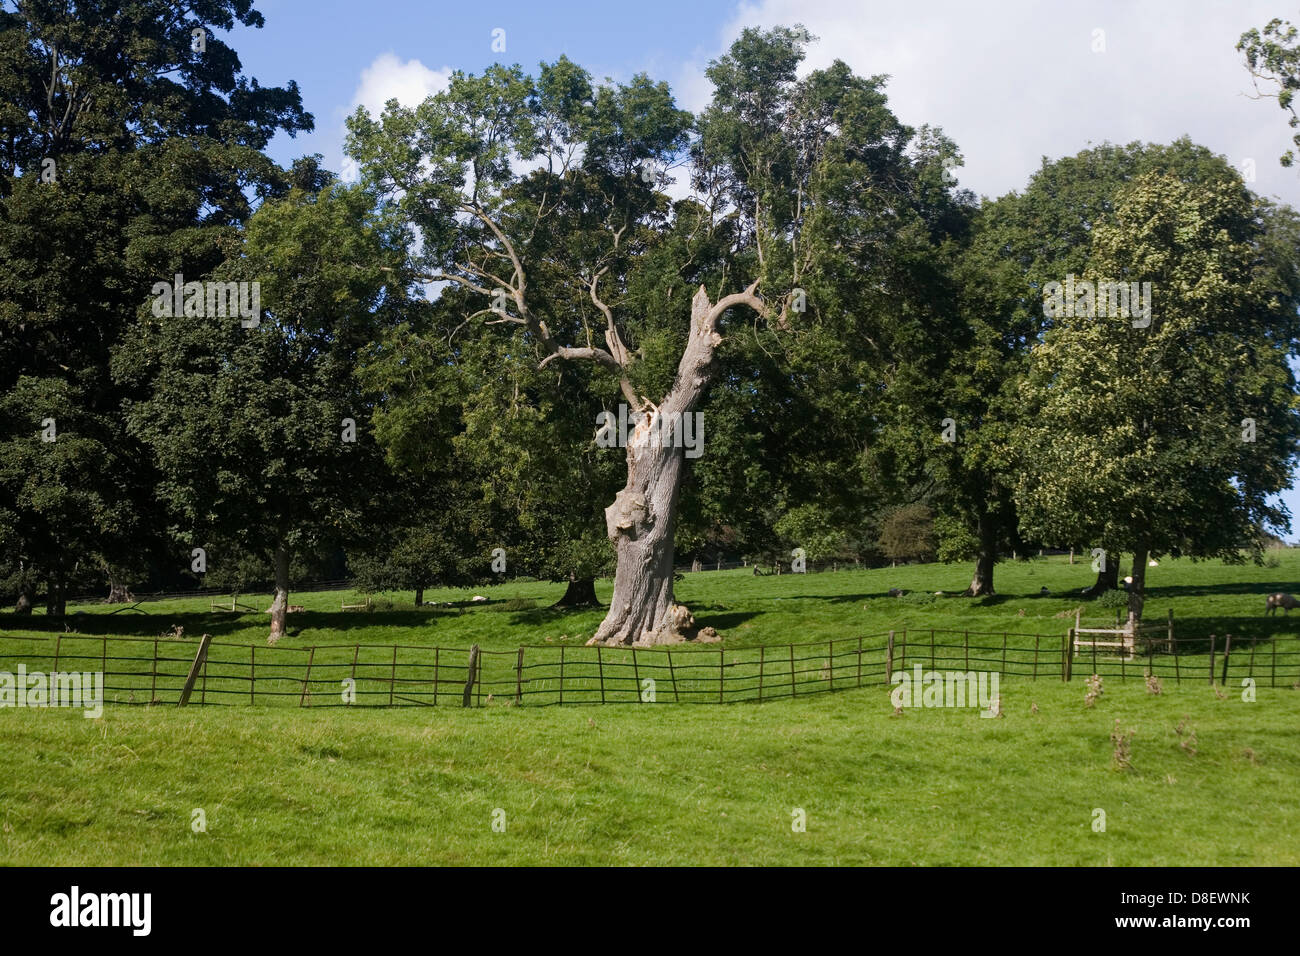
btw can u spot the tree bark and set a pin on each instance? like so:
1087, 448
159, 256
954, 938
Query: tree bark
1137, 592
641, 521
280, 605
981, 584
1107, 579
581, 592
56, 601
118, 593
26, 598
419, 597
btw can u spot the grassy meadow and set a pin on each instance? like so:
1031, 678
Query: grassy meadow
1211, 777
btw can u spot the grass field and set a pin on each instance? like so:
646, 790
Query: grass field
681, 784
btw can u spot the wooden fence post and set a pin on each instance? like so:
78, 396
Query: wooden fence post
473, 673
392, 677
889, 660
306, 680
58, 640
200, 658
672, 675
1227, 649
600, 670
561, 673
794, 692
1272, 674
153, 681
1037, 637
252, 673
760, 672
1211, 660
519, 676
636, 677
1067, 655
722, 673
832, 667
931, 648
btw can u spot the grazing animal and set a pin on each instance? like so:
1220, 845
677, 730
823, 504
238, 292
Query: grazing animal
1279, 600
896, 592
1043, 592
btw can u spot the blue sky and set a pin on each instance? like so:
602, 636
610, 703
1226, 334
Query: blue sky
1011, 82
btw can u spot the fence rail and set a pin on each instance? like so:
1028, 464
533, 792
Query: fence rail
145, 671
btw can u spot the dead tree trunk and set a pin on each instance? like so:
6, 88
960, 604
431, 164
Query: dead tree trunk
280, 604
641, 521
581, 592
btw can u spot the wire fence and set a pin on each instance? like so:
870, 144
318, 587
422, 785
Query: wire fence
167, 670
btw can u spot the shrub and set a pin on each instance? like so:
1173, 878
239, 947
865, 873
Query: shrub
1113, 598
918, 597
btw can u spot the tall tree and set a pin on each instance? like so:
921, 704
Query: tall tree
129, 151
1169, 430
262, 434
524, 190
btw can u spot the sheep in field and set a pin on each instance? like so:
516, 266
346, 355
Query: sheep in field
1279, 600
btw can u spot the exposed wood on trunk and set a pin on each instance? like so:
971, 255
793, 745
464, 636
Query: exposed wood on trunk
280, 605
981, 584
641, 521
1137, 593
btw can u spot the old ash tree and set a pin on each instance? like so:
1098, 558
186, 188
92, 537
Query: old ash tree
804, 234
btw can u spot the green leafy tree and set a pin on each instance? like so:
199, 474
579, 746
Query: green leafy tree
126, 155
262, 434
1170, 437
538, 197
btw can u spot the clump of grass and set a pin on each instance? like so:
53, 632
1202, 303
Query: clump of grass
518, 604
1186, 736
1153, 685
1094, 691
917, 597
1122, 741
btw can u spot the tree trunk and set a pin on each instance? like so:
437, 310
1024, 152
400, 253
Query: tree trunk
1107, 579
641, 521
1137, 593
280, 605
696, 566
56, 601
581, 592
26, 598
981, 584
419, 597
118, 593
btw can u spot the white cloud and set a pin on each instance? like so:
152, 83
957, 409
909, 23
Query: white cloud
387, 77
1019, 81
